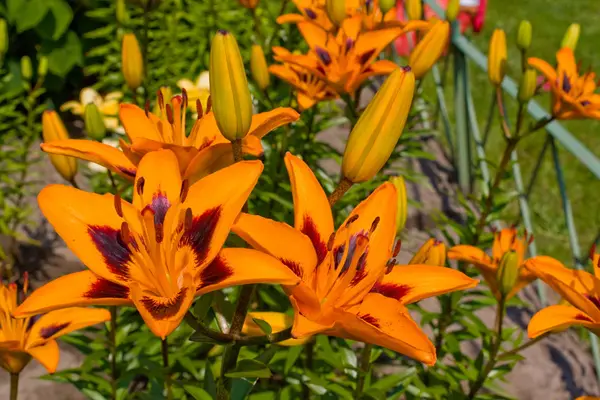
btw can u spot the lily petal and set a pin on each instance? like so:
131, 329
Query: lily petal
558, 318
312, 213
60, 322
234, 267
280, 240
304, 328
544, 68
93, 151
385, 322
47, 354
209, 160
580, 281
411, 283
278, 322
136, 123
265, 122
77, 289
473, 255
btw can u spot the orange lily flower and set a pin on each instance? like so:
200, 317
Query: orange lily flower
345, 60
159, 252
309, 88
203, 151
505, 240
580, 289
573, 96
350, 286
21, 339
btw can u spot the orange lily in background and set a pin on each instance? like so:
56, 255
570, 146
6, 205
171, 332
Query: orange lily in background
350, 286
309, 88
159, 252
580, 289
205, 150
573, 96
344, 61
21, 339
504, 241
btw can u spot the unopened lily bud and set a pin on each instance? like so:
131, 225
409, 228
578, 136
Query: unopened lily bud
571, 37
433, 252
258, 67
508, 272
497, 57
414, 9
378, 129
429, 49
386, 5
121, 12
94, 122
132, 63
398, 182
3, 37
249, 3
336, 11
524, 35
53, 129
452, 10
527, 85
229, 92
26, 69
42, 66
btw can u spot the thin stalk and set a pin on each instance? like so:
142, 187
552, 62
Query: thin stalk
14, 386
363, 369
257, 27
145, 47
165, 357
340, 190
502, 112
522, 347
113, 351
308, 364
494, 348
351, 108
442, 84
113, 183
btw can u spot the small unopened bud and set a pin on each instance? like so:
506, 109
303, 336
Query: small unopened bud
524, 35
53, 129
401, 216
429, 49
386, 5
433, 252
42, 67
527, 85
414, 9
132, 64
497, 57
336, 11
94, 122
571, 37
452, 10
121, 12
26, 69
3, 37
508, 272
258, 67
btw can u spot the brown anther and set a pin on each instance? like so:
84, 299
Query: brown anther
187, 221
530, 239
437, 242
147, 108
389, 265
124, 234
352, 219
170, 114
118, 206
208, 104
161, 100
199, 109
185, 187
159, 231
592, 251
184, 95
397, 248
139, 187
330, 241
25, 282
374, 224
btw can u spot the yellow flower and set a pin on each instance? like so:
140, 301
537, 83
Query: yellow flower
198, 90
378, 129
132, 64
573, 96
108, 106
53, 130
497, 57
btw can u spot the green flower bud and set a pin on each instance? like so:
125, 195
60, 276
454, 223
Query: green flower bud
524, 35
94, 122
386, 5
508, 272
452, 10
42, 66
527, 85
3, 37
121, 11
401, 216
26, 69
571, 37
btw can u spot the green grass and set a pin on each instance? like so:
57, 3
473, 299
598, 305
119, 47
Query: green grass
549, 20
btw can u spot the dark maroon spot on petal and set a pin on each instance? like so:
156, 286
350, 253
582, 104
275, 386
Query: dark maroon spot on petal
406, 68
310, 229
359, 276
349, 44
215, 272
323, 55
206, 143
51, 330
32, 321
293, 266
581, 317
566, 85
369, 319
321, 69
392, 290
310, 13
161, 308
159, 206
128, 171
105, 289
108, 242
585, 103
363, 58
200, 232
594, 300
338, 253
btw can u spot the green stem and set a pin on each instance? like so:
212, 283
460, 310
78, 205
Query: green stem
165, 357
113, 351
517, 350
308, 364
351, 110
363, 369
494, 348
14, 386
145, 47
257, 27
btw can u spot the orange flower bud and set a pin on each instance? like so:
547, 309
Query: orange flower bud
433, 252
336, 11
497, 57
258, 67
429, 49
414, 9
401, 216
132, 63
508, 272
53, 129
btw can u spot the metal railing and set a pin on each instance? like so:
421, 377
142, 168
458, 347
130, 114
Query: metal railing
466, 135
